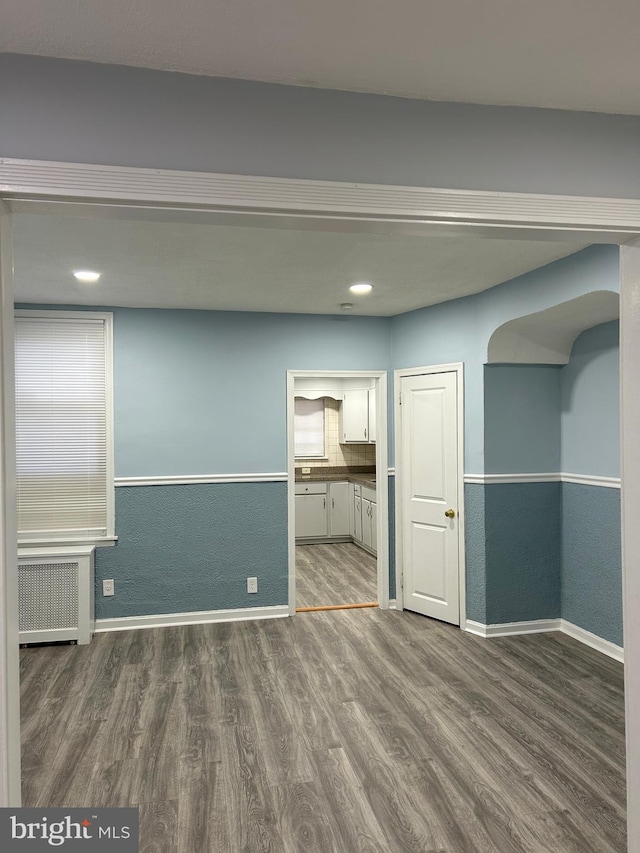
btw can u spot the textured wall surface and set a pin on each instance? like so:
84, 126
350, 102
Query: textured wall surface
189, 548
590, 404
475, 552
204, 392
591, 560
90, 113
523, 543
522, 418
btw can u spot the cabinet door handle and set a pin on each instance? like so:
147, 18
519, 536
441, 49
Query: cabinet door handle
365, 432
333, 503
324, 503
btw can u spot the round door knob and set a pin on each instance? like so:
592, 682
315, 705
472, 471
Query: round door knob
450, 513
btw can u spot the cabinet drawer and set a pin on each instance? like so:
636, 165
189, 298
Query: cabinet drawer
311, 488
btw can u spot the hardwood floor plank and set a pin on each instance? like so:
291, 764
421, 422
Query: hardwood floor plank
356, 825
304, 822
336, 573
338, 731
159, 827
204, 822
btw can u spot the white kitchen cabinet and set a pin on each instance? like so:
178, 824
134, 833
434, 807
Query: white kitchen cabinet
365, 519
322, 510
339, 509
366, 523
354, 417
374, 527
357, 518
358, 417
311, 510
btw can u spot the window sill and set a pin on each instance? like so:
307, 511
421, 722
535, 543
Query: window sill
87, 542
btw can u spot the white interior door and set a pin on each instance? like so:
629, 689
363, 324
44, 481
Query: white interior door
429, 494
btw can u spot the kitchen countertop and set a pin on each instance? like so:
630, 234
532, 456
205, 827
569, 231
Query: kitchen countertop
365, 477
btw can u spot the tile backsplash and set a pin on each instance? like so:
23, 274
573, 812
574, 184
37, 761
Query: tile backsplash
338, 455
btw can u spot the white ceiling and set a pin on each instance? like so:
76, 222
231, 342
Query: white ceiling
235, 267
569, 54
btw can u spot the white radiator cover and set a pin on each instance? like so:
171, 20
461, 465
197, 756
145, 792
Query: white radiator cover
56, 594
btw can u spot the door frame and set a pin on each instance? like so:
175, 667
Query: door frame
382, 475
398, 375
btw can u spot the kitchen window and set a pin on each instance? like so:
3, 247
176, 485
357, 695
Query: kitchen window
309, 428
64, 427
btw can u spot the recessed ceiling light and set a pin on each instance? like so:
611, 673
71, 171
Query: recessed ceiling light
361, 288
87, 276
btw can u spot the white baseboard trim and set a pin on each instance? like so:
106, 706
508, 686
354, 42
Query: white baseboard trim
583, 636
197, 617
507, 629
540, 626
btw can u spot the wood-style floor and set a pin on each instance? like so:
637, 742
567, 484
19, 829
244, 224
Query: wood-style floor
333, 732
338, 573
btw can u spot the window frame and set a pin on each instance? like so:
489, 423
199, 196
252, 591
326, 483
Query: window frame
24, 539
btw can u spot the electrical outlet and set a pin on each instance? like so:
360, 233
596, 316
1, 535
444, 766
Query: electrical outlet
108, 587
252, 584
306, 470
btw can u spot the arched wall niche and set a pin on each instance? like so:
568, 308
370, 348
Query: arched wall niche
546, 337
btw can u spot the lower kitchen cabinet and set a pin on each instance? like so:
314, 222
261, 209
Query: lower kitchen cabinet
365, 518
369, 516
336, 511
322, 511
311, 510
339, 509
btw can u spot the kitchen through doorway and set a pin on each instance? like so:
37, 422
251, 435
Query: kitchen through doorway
338, 483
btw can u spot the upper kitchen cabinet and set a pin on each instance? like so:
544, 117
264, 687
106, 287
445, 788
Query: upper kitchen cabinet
357, 417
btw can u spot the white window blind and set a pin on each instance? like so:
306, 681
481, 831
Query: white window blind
309, 428
63, 434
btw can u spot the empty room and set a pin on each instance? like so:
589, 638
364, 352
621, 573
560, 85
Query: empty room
301, 566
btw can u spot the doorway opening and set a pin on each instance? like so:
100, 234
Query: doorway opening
338, 487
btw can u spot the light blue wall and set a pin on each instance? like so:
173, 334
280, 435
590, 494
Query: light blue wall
204, 392
522, 419
590, 404
592, 560
590, 417
78, 111
553, 550
475, 552
460, 330
188, 548
523, 527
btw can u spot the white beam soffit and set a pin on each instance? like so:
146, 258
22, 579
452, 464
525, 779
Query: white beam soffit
419, 209
547, 337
